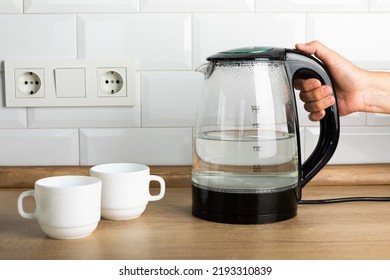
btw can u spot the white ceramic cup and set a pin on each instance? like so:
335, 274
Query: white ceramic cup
67, 207
125, 189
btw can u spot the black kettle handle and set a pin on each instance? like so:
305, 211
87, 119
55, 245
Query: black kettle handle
301, 65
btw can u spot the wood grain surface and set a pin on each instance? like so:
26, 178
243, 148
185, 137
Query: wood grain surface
25, 176
167, 229
179, 176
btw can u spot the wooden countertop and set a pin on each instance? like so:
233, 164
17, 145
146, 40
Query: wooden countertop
167, 230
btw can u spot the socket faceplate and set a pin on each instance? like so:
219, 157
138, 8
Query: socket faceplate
62, 83
28, 83
111, 82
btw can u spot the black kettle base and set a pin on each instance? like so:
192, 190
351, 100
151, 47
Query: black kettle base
244, 208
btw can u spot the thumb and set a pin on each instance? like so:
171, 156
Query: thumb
328, 56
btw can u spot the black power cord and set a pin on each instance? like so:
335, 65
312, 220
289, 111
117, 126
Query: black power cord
344, 199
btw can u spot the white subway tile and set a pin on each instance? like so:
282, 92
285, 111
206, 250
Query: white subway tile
197, 6
219, 32
37, 36
379, 5
157, 41
378, 119
153, 146
39, 147
311, 6
170, 98
80, 6
354, 119
11, 6
10, 117
358, 37
41, 117
357, 145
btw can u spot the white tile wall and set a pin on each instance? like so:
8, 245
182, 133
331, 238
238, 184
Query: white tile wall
39, 146
312, 6
11, 117
37, 36
356, 145
154, 146
11, 6
80, 6
218, 32
225, 6
84, 117
360, 37
169, 39
378, 119
379, 5
170, 98
157, 41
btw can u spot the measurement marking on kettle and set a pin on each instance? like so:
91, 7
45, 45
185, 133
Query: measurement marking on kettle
256, 148
257, 168
255, 108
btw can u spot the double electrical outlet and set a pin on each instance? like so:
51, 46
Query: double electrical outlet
45, 83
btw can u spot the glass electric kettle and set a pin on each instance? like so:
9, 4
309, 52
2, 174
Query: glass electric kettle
246, 153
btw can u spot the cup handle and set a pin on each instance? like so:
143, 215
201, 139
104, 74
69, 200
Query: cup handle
20, 205
162, 188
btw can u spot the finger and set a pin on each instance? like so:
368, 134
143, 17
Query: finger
319, 50
319, 105
306, 84
317, 116
310, 47
316, 94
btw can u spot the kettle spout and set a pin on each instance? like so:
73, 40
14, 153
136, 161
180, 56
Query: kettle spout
206, 69
203, 68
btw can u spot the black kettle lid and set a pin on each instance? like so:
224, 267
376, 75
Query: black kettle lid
250, 53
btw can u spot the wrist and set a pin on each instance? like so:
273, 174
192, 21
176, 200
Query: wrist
376, 92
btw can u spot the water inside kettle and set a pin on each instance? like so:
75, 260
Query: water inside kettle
245, 161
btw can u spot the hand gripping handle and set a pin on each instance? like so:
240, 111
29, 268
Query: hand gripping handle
301, 65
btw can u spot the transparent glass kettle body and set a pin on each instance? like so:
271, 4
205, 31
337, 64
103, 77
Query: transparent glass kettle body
245, 139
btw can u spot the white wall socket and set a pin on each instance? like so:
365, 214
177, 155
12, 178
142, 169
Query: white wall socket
111, 82
58, 83
28, 83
